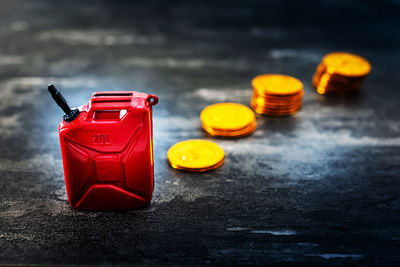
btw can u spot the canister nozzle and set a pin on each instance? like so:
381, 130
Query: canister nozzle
70, 114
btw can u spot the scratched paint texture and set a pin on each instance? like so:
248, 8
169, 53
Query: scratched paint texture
320, 187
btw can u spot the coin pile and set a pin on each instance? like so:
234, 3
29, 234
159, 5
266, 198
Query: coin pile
340, 73
228, 120
276, 95
195, 155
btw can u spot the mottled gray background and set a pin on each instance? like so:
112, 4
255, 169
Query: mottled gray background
318, 187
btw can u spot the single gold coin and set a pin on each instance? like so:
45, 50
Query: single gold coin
277, 84
201, 169
227, 133
275, 113
268, 102
346, 64
227, 116
195, 155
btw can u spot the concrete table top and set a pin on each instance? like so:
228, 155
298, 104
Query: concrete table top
319, 187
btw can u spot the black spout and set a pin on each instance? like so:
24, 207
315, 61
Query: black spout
70, 114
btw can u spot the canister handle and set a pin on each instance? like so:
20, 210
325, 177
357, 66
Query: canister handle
116, 104
107, 106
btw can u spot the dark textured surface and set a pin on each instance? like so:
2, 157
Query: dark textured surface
318, 187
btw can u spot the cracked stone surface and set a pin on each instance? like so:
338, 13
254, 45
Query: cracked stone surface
320, 187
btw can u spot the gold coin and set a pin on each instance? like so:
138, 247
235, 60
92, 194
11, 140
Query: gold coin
276, 84
277, 108
237, 133
275, 111
201, 169
195, 155
283, 104
340, 73
227, 116
276, 95
346, 64
279, 101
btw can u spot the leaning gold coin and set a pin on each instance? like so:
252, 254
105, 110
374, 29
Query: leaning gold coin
227, 116
195, 155
346, 64
276, 84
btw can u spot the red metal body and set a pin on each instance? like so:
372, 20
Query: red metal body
107, 152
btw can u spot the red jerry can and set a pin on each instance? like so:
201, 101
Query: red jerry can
107, 150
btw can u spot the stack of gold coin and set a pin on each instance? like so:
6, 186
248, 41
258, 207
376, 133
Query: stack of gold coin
276, 95
340, 73
196, 155
228, 120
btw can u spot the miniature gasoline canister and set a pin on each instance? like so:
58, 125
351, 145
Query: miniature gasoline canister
107, 150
